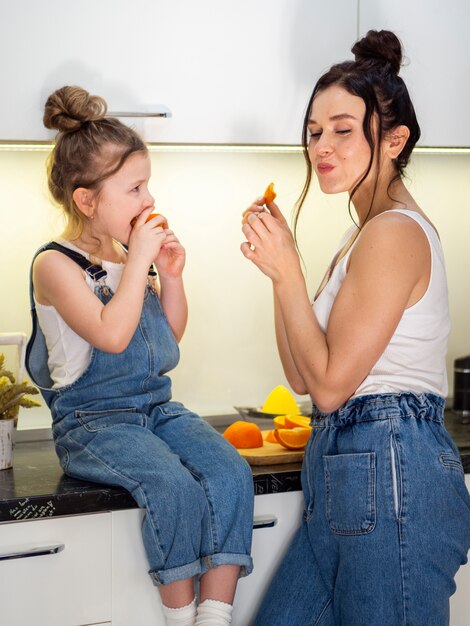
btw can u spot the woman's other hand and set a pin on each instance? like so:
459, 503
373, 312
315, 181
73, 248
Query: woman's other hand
270, 244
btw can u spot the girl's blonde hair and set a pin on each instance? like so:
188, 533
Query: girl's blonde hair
89, 148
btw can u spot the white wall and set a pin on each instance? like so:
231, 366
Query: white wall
228, 352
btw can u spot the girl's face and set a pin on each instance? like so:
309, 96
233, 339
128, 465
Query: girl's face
337, 147
123, 196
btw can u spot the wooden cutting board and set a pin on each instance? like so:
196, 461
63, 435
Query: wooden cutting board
271, 453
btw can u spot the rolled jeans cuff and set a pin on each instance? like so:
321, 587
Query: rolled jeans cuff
167, 576
226, 558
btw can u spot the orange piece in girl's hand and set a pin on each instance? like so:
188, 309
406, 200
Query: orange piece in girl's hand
269, 194
150, 217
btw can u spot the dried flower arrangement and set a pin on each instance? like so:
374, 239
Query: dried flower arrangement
13, 394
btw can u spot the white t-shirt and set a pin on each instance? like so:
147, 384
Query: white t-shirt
415, 358
69, 354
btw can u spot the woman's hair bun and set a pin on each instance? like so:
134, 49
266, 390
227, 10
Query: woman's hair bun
379, 47
69, 107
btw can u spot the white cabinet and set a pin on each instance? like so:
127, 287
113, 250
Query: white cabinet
100, 575
269, 546
236, 71
435, 37
135, 599
70, 587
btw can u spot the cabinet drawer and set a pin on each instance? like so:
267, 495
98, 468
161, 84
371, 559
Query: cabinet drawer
58, 573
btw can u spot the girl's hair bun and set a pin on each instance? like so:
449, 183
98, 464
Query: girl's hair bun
379, 47
68, 108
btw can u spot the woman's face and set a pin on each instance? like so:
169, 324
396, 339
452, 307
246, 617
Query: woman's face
337, 147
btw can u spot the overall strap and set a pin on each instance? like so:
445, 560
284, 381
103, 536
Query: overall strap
36, 349
96, 272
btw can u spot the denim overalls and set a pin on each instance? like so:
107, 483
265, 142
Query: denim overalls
386, 523
117, 425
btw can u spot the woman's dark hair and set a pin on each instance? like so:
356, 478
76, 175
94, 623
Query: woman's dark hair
89, 148
373, 77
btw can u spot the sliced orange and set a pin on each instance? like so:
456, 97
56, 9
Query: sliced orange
293, 438
292, 421
280, 421
244, 435
271, 437
269, 194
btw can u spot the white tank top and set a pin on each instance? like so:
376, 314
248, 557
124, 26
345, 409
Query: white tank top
415, 358
69, 354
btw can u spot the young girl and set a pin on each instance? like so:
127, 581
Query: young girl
107, 333
387, 514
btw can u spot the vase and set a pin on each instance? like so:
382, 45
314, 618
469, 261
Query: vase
7, 443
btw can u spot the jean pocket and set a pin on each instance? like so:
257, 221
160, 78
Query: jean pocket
450, 461
94, 421
350, 483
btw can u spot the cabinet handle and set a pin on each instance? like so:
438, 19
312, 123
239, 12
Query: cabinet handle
25, 554
161, 111
264, 521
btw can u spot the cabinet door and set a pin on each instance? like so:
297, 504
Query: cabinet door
277, 517
67, 587
136, 600
435, 37
230, 72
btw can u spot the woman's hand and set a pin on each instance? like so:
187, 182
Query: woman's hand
171, 257
270, 244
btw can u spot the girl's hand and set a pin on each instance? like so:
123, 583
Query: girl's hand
171, 257
147, 238
270, 244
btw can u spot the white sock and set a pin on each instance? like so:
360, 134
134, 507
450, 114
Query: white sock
182, 616
214, 613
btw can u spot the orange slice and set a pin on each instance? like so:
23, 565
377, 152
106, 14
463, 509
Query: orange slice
280, 421
293, 438
269, 194
244, 435
292, 421
271, 437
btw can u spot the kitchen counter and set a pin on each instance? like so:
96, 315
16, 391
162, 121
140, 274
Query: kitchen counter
36, 486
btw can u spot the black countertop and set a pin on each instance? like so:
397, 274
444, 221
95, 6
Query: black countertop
36, 486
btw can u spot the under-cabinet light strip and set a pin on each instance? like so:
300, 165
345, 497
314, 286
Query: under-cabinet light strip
235, 148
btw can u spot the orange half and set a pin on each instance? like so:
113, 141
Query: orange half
244, 435
293, 438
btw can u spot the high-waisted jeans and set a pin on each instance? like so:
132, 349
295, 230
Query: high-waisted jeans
386, 522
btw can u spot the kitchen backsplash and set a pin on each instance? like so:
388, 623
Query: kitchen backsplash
228, 355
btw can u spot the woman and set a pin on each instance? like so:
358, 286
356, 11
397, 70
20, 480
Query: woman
387, 514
